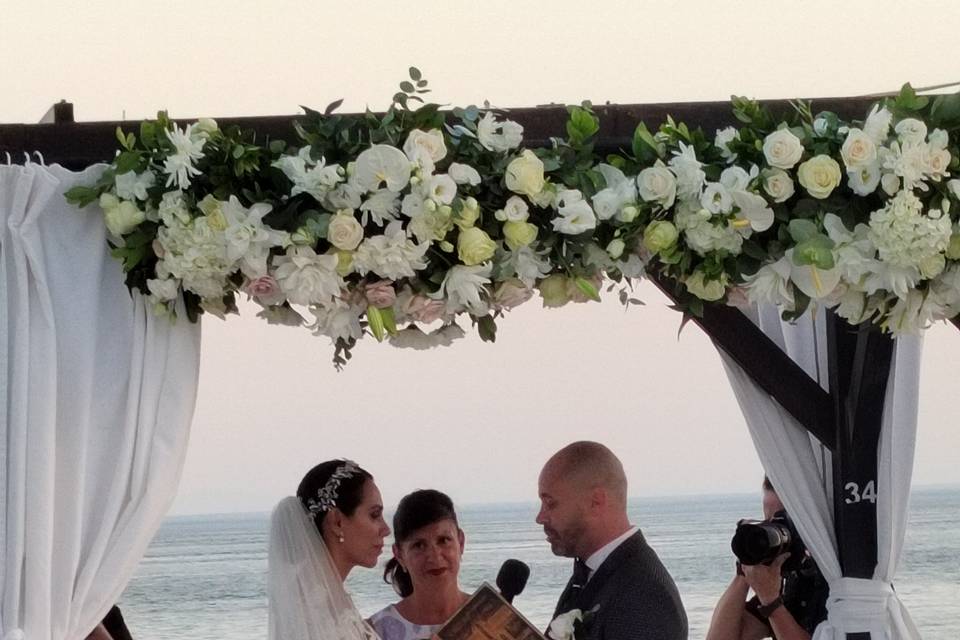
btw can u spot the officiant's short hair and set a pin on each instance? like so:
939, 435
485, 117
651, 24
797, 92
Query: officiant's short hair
592, 464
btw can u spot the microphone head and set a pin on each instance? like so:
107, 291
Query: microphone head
512, 578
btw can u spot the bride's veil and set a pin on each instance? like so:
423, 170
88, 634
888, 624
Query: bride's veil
307, 598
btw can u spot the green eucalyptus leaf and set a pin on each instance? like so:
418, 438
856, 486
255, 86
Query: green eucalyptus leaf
816, 251
803, 229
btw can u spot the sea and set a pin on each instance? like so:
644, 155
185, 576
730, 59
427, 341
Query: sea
204, 577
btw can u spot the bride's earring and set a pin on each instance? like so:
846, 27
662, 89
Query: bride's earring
340, 538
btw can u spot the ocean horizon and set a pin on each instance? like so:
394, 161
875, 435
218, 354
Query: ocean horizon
204, 575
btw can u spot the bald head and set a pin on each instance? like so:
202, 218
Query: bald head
589, 465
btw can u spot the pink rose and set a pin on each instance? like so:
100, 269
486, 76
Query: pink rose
265, 290
380, 294
511, 293
424, 309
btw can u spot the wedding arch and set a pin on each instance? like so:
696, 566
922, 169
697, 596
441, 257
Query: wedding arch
813, 247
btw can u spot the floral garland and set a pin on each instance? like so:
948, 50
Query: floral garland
396, 224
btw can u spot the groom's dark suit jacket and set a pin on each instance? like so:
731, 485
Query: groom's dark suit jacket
636, 597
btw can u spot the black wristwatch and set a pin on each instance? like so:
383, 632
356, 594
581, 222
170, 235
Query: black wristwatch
766, 610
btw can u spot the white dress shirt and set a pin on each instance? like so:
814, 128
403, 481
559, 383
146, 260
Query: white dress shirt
596, 559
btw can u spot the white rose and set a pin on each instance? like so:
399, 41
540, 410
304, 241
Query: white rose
524, 175
657, 184
858, 150
515, 210
782, 149
819, 175
344, 232
463, 174
937, 162
911, 130
425, 147
777, 184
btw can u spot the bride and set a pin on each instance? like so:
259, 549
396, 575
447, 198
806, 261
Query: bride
334, 524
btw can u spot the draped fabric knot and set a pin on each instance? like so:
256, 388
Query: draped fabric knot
858, 605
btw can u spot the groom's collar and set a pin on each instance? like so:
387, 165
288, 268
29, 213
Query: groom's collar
597, 557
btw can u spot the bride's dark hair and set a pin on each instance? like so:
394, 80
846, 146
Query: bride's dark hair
349, 490
415, 511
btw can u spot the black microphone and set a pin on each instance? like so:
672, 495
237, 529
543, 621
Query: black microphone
512, 579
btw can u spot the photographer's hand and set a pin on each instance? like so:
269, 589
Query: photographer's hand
766, 580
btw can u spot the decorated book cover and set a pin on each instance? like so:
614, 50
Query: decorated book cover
487, 616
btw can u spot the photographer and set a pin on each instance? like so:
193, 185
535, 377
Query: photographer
788, 603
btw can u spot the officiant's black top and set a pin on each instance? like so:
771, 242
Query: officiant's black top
634, 596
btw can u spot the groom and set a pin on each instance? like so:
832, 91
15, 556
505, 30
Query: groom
583, 494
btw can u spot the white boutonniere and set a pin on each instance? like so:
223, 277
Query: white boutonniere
571, 625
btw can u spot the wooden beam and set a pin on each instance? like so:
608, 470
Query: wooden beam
767, 365
76, 145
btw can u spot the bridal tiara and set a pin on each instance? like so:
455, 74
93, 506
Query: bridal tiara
327, 495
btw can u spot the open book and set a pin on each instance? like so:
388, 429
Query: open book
487, 616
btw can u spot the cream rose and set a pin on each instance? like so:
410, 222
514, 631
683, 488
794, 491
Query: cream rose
777, 184
657, 184
858, 150
782, 149
425, 145
344, 232
524, 175
120, 216
474, 246
819, 175
519, 234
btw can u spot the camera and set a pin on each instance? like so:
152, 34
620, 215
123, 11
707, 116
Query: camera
762, 541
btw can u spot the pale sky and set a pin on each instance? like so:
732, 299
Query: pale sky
475, 420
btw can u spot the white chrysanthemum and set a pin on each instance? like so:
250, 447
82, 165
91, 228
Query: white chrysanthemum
904, 235
463, 286
307, 278
309, 175
380, 207
687, 169
337, 321
131, 185
496, 135
908, 161
188, 148
392, 255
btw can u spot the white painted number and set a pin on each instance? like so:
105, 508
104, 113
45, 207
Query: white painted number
869, 493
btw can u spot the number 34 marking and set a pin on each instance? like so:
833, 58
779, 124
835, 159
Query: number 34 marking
854, 495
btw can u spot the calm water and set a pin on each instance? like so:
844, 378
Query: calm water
203, 576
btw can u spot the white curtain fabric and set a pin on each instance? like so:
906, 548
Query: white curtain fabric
98, 397
800, 470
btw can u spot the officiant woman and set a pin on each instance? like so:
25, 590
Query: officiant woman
424, 569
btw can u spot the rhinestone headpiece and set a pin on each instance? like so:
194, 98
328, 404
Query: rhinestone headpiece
327, 495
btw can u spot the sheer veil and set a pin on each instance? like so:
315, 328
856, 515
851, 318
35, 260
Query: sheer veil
307, 598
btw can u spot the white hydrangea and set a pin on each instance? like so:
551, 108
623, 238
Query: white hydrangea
196, 254
904, 235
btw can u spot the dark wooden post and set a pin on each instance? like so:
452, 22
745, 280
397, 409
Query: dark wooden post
860, 360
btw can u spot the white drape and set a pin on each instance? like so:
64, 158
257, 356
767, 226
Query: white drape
800, 470
98, 397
